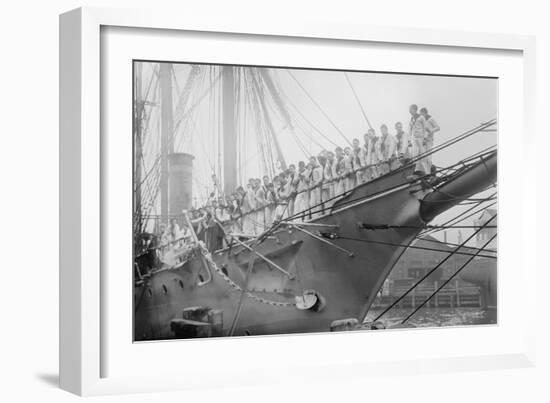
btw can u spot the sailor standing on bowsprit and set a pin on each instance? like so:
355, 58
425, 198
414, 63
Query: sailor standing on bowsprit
417, 135
402, 142
431, 128
388, 150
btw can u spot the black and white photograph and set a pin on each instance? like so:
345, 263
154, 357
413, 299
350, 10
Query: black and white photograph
272, 200
233, 201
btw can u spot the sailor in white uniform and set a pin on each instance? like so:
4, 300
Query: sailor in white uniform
260, 196
431, 128
387, 150
365, 158
403, 141
329, 173
417, 134
248, 205
285, 196
357, 161
271, 203
315, 183
349, 177
293, 180
217, 190
374, 154
302, 197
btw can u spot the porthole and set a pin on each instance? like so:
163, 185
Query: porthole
181, 284
164, 289
224, 271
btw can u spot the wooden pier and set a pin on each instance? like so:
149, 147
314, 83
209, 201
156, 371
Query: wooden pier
455, 294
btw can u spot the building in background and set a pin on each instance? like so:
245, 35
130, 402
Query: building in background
486, 233
473, 287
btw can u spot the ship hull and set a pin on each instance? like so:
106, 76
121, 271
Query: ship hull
346, 282
341, 257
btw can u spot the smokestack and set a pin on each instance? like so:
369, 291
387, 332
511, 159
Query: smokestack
180, 168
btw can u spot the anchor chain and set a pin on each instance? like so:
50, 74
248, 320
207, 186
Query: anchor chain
208, 256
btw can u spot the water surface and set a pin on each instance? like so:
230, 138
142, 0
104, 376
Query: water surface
436, 317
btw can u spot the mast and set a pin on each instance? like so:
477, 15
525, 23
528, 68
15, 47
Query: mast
270, 128
183, 99
229, 132
167, 127
138, 114
282, 109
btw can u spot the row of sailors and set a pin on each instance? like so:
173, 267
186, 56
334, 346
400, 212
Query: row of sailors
315, 185
176, 240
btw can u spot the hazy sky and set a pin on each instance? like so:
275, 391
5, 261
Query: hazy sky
457, 103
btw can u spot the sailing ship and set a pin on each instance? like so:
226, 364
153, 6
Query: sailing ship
308, 272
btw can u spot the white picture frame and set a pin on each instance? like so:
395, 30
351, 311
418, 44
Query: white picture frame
82, 341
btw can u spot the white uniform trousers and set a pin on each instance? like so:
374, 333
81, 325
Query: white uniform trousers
269, 215
315, 201
349, 182
418, 149
259, 221
248, 223
301, 203
339, 187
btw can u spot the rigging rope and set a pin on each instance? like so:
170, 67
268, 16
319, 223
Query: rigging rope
319, 107
357, 99
308, 135
453, 220
198, 102
270, 134
308, 121
410, 246
409, 164
374, 227
425, 239
300, 145
449, 279
320, 208
429, 273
